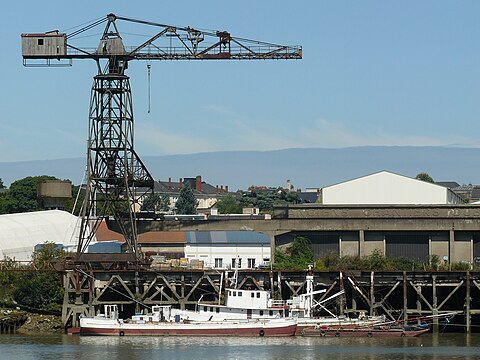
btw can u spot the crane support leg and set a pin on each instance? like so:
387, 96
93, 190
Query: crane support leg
117, 180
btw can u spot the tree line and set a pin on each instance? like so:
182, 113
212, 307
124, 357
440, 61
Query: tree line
35, 286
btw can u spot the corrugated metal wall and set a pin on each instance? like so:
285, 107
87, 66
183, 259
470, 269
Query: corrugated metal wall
476, 248
408, 244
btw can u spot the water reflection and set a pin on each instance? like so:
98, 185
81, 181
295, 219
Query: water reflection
438, 347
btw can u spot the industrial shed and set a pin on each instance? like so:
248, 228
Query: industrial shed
19, 233
388, 188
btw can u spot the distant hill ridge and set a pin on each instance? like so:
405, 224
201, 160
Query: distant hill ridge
307, 167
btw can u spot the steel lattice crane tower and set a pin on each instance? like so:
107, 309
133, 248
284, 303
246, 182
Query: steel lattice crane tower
117, 180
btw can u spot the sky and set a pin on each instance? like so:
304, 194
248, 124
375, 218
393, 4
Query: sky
373, 73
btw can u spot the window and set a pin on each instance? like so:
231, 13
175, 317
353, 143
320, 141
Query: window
211, 309
234, 293
217, 309
261, 312
204, 308
239, 293
236, 264
270, 313
253, 294
218, 262
40, 42
258, 295
251, 263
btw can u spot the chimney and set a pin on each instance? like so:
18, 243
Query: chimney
169, 184
221, 188
180, 184
226, 189
217, 189
198, 183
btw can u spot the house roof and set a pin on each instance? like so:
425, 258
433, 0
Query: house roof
162, 237
308, 197
105, 234
476, 193
174, 187
226, 237
152, 237
448, 184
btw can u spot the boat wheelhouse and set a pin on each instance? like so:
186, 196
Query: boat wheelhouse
239, 305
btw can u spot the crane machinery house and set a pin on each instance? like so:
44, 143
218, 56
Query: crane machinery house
46, 44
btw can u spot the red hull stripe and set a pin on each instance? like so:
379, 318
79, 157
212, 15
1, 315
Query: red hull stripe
281, 331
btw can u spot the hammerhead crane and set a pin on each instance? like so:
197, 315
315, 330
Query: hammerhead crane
117, 180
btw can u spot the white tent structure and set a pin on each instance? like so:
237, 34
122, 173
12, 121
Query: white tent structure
20, 233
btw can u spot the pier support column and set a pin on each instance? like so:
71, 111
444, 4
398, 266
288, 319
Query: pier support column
434, 304
137, 293
419, 301
405, 297
451, 248
361, 243
467, 303
372, 293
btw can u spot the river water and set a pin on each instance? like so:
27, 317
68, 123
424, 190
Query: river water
65, 347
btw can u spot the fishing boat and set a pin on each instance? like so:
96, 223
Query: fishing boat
163, 322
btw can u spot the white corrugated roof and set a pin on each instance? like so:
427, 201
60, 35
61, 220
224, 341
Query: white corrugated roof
19, 233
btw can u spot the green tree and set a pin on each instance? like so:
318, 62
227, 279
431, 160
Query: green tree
152, 202
3, 203
265, 200
298, 256
48, 256
22, 195
424, 177
165, 202
42, 289
186, 203
229, 205
2, 186
78, 195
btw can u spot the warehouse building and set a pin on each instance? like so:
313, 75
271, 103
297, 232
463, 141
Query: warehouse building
387, 188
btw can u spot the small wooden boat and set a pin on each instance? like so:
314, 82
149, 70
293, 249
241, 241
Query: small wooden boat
376, 331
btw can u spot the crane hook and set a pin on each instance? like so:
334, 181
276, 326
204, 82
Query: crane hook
148, 70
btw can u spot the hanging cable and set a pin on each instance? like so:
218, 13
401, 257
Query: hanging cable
149, 65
